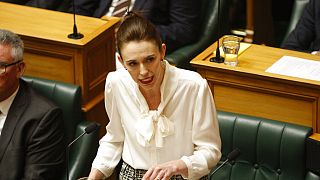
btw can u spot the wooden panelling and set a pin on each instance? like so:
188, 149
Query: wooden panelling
49, 66
244, 100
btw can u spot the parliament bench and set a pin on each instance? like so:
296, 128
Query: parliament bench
270, 150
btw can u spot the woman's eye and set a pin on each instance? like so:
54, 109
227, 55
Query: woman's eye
132, 63
150, 59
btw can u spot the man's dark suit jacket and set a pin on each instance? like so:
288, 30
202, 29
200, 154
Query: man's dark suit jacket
32, 141
176, 20
306, 35
60, 5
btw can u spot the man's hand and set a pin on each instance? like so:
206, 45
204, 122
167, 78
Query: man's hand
166, 170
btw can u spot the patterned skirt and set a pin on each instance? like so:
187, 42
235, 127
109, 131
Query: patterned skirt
129, 173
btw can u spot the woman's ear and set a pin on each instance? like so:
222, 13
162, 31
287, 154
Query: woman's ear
119, 58
164, 48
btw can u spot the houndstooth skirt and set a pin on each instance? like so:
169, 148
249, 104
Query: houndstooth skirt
129, 173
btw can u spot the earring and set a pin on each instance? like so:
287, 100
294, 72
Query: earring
163, 63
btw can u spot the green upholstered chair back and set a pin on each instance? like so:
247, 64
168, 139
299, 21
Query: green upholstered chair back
208, 32
297, 9
270, 150
68, 98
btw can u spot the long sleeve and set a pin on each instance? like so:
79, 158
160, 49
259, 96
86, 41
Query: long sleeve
86, 7
181, 23
45, 4
205, 135
304, 34
111, 145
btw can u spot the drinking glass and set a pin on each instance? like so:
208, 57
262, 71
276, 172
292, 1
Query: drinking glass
231, 46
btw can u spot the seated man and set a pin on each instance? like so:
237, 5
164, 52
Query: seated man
176, 20
306, 35
31, 128
59, 5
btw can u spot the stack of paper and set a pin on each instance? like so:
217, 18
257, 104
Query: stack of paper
296, 67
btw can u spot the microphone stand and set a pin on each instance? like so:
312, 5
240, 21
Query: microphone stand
75, 34
230, 157
223, 163
218, 58
89, 129
67, 153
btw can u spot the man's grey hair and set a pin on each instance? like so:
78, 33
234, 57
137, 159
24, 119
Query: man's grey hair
8, 38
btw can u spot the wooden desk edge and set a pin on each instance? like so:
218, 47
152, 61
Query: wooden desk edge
110, 18
315, 136
201, 61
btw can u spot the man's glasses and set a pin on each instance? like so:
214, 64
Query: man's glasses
3, 66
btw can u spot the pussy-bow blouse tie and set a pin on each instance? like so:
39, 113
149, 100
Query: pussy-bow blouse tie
153, 125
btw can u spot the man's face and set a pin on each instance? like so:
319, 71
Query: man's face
9, 80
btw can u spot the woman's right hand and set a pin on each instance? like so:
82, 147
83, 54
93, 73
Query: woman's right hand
95, 174
166, 170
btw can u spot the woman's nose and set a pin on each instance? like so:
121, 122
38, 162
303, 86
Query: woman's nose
143, 69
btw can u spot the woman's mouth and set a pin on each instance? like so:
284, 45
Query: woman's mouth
146, 80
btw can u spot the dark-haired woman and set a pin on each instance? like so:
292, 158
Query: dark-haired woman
162, 119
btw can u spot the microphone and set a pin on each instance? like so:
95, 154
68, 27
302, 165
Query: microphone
231, 156
89, 129
75, 34
218, 58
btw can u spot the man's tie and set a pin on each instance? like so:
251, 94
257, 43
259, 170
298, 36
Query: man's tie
121, 8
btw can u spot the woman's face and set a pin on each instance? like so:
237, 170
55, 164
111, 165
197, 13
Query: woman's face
143, 60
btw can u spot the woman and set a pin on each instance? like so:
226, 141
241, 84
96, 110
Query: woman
162, 119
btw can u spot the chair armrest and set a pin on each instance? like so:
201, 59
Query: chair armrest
83, 152
312, 176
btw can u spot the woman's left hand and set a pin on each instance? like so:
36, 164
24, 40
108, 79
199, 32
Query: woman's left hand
166, 170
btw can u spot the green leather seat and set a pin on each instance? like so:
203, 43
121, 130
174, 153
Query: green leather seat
68, 98
270, 150
208, 32
297, 9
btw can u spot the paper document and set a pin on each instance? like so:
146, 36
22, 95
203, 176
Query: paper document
296, 67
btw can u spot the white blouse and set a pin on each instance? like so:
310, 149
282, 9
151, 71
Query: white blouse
183, 127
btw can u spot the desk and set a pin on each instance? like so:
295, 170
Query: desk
248, 89
50, 54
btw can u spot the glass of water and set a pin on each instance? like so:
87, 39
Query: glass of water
231, 46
